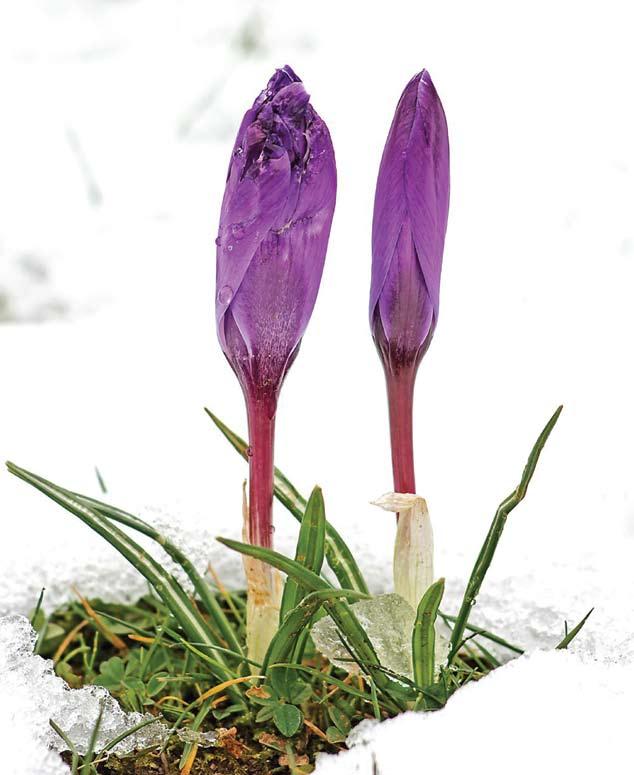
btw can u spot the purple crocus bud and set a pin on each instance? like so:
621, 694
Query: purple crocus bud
408, 234
274, 226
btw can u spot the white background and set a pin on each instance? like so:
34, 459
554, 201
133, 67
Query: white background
537, 283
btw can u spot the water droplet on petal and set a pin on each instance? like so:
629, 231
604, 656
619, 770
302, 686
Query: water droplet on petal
229, 248
238, 151
218, 240
225, 294
237, 230
249, 452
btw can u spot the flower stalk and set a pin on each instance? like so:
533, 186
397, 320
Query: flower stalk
400, 393
264, 593
408, 233
261, 421
274, 226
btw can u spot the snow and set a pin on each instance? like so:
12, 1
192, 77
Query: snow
117, 124
37, 695
543, 713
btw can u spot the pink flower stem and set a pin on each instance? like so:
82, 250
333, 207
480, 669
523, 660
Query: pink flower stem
261, 418
400, 395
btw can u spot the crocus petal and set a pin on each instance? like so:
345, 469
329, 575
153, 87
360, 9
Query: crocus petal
250, 208
426, 184
405, 304
409, 225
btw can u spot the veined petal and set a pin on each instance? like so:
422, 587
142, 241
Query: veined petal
409, 225
274, 228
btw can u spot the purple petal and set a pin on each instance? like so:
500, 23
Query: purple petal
410, 219
274, 228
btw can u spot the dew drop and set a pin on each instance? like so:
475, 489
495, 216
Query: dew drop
218, 240
237, 230
238, 151
225, 294
249, 452
229, 248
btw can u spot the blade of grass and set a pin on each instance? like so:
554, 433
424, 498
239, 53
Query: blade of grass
107, 633
38, 607
90, 752
309, 552
424, 634
69, 745
338, 555
165, 585
493, 661
203, 590
570, 636
483, 633
124, 735
68, 639
302, 575
493, 536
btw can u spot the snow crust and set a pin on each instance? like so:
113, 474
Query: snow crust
535, 714
34, 695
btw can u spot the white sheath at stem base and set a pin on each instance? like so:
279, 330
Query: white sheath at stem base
413, 547
264, 595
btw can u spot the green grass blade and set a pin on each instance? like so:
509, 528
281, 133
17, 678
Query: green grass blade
119, 738
570, 636
338, 555
305, 577
69, 744
483, 633
165, 585
309, 552
493, 536
90, 752
203, 590
424, 634
37, 607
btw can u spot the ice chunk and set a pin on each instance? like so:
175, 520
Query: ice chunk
202, 739
37, 695
388, 621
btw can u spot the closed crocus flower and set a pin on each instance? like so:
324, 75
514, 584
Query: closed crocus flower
274, 226
408, 234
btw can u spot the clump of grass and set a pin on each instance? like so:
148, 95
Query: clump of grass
182, 657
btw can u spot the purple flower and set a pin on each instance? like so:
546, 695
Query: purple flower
408, 235
274, 226
408, 230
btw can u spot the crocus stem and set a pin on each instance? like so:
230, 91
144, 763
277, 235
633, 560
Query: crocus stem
264, 584
261, 418
400, 395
